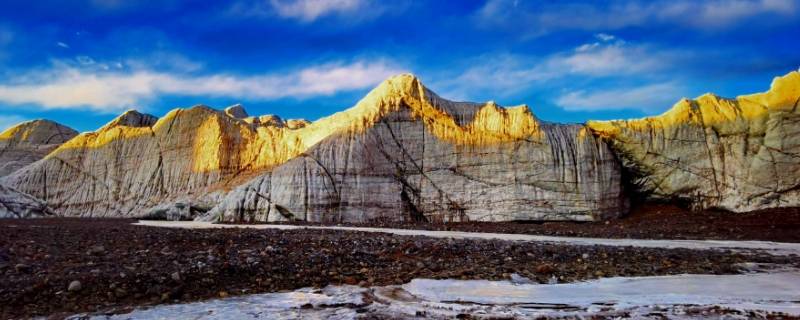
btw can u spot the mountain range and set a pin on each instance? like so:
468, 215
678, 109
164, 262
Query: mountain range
403, 153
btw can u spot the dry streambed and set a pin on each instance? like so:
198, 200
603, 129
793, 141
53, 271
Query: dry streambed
121, 266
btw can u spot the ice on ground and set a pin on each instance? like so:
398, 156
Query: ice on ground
774, 248
742, 296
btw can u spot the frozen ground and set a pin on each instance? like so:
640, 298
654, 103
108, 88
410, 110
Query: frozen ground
685, 296
775, 248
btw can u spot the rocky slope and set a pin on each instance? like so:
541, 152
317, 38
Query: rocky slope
402, 153
737, 154
411, 155
15, 204
30, 141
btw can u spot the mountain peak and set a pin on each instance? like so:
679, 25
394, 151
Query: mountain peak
131, 118
236, 111
38, 131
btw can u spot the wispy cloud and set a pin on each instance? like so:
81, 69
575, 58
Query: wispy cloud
534, 18
310, 10
606, 74
307, 11
509, 74
7, 121
64, 87
647, 98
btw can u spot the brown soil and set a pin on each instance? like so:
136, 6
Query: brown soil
120, 265
651, 221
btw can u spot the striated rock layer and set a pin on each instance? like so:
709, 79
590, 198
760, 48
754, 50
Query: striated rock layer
15, 204
402, 153
30, 141
737, 154
410, 155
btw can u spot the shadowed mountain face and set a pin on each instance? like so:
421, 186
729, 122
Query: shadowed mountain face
30, 141
404, 154
736, 154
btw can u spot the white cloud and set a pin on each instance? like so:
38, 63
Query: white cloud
63, 45
599, 59
722, 13
508, 74
307, 11
599, 64
537, 18
85, 60
71, 87
647, 98
310, 10
7, 121
604, 37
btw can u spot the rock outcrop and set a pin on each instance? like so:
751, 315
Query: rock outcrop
407, 154
402, 153
15, 204
132, 164
236, 111
737, 154
30, 141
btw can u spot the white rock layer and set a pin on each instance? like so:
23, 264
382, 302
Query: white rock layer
738, 154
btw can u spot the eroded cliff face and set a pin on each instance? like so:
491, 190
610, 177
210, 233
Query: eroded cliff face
411, 155
15, 204
30, 141
137, 162
402, 153
737, 154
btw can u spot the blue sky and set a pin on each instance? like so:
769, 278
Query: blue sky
83, 62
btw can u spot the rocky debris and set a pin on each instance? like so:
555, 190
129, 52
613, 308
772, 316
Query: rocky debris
176, 211
74, 286
236, 111
735, 154
96, 250
15, 204
22, 268
140, 263
30, 141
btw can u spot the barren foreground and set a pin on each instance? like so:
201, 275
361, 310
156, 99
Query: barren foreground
120, 265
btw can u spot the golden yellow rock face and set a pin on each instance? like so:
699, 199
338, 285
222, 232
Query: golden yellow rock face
223, 143
37, 132
30, 141
738, 154
725, 115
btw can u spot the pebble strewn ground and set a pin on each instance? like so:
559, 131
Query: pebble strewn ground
651, 221
64, 266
